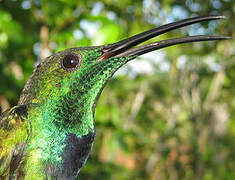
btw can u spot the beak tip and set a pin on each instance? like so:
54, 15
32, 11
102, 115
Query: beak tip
222, 17
228, 37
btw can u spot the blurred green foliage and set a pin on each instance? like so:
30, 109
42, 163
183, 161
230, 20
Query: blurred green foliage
171, 117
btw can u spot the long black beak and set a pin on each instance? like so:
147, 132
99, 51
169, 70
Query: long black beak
123, 48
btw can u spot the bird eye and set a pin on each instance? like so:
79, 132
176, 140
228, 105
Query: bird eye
71, 62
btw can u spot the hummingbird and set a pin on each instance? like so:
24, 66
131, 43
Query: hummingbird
50, 132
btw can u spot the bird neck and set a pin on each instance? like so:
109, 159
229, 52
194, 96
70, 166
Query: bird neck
71, 113
53, 124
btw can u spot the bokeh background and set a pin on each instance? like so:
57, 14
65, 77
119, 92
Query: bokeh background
167, 115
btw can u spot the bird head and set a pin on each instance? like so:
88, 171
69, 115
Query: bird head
71, 81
